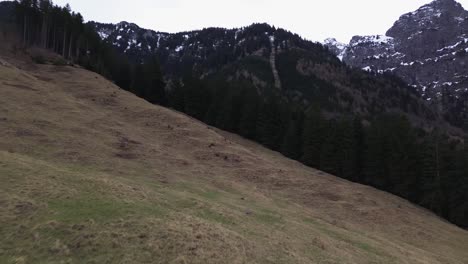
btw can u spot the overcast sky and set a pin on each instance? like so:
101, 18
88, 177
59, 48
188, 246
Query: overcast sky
312, 19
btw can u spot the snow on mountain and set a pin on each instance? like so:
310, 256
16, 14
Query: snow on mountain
202, 48
336, 47
428, 48
371, 40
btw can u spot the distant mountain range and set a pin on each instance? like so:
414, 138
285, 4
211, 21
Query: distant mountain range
427, 48
271, 60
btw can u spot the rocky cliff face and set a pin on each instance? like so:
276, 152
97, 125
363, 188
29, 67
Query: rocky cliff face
428, 48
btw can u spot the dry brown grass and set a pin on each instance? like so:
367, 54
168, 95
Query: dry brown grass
93, 174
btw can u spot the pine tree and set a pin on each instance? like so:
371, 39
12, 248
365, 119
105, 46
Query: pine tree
138, 80
176, 96
358, 150
154, 89
219, 110
346, 150
328, 150
45, 7
24, 10
375, 169
431, 193
123, 76
197, 98
313, 136
291, 145
248, 114
269, 126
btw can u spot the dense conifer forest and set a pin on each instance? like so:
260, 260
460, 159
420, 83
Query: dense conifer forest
386, 151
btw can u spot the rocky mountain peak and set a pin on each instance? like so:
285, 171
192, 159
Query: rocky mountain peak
427, 48
445, 5
438, 16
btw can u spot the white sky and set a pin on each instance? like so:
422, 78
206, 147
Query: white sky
312, 19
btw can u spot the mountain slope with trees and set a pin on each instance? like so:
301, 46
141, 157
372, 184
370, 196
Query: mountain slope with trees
311, 73
91, 173
360, 126
369, 128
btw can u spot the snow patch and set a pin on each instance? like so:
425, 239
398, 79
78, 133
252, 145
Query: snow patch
103, 35
451, 47
332, 42
376, 39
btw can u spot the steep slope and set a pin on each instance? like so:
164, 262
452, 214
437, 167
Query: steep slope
427, 48
91, 173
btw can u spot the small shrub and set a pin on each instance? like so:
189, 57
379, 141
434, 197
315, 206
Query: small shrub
60, 62
39, 59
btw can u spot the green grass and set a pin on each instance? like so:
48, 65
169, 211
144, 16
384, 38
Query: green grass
268, 217
65, 197
99, 210
211, 195
214, 216
351, 238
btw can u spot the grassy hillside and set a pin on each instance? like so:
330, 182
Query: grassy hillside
93, 174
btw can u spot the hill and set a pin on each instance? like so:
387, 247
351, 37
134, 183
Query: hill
92, 174
294, 96
271, 86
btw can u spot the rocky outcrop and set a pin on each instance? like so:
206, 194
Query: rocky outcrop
335, 47
428, 48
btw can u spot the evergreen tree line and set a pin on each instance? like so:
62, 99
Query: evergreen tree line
52, 27
60, 30
388, 153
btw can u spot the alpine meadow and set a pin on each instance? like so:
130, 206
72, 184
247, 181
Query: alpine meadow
120, 144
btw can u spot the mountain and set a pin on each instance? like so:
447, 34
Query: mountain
91, 173
204, 50
427, 48
270, 60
